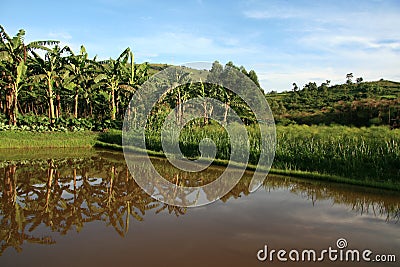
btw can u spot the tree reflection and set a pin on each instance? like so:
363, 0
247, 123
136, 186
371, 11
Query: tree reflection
13, 214
65, 194
359, 199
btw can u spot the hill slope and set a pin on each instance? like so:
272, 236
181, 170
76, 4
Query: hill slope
359, 104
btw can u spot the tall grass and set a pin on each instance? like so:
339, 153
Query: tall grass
366, 154
27, 139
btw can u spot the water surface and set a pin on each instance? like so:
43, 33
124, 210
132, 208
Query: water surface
82, 208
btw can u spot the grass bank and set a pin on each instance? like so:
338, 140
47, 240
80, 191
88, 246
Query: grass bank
314, 175
28, 139
359, 156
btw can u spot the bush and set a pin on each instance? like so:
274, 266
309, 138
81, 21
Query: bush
31, 122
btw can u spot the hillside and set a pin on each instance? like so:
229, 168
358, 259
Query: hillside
358, 104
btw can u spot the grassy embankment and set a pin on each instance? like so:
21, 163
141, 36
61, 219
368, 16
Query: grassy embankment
359, 156
28, 139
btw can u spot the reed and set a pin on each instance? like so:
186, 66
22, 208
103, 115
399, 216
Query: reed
365, 154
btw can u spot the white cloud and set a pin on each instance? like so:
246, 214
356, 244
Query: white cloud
383, 63
188, 46
325, 42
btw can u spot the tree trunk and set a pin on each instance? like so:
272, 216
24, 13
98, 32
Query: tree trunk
20, 109
226, 113
112, 104
117, 105
1, 100
179, 114
34, 109
14, 105
127, 119
51, 102
58, 104
205, 119
8, 108
76, 104
134, 120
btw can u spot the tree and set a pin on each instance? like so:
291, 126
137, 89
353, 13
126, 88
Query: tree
115, 74
323, 88
50, 70
359, 79
13, 56
311, 86
295, 87
349, 77
253, 76
81, 69
243, 70
215, 88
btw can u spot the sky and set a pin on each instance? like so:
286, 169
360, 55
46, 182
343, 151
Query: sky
283, 41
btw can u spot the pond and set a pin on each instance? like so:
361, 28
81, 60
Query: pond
82, 208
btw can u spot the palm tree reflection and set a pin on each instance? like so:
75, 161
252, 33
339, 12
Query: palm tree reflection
65, 194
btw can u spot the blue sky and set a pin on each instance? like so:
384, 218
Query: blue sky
283, 41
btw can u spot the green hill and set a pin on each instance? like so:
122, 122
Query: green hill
358, 104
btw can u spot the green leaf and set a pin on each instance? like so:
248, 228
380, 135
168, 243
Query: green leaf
100, 77
21, 71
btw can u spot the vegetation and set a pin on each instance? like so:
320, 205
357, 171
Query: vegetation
64, 86
29, 139
75, 97
361, 153
357, 104
364, 154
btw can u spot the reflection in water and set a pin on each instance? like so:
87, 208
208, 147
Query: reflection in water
63, 194
361, 200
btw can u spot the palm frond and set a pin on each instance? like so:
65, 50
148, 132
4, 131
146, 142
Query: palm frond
4, 35
124, 55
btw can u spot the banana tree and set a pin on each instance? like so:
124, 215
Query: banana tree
49, 70
13, 56
117, 74
82, 71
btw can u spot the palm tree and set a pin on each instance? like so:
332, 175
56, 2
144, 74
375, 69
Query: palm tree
49, 70
81, 71
117, 74
13, 56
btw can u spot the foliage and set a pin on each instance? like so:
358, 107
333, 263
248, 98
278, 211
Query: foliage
358, 104
27, 139
359, 153
362, 153
62, 84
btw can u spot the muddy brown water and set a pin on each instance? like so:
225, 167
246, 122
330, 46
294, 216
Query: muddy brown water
82, 208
